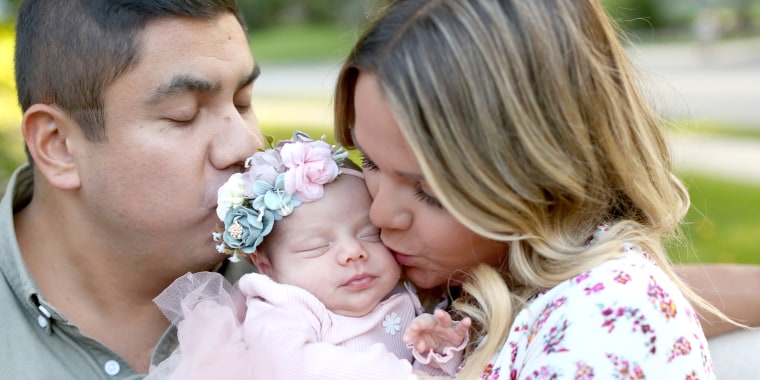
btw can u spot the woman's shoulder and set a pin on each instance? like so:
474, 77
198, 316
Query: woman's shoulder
625, 310
632, 281
631, 291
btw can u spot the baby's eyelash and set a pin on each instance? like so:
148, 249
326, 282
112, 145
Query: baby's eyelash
367, 163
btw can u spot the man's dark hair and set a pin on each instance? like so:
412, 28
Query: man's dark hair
69, 51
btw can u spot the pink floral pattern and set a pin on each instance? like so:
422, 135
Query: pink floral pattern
624, 319
310, 166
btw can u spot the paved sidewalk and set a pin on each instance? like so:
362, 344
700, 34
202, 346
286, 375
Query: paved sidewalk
732, 159
717, 83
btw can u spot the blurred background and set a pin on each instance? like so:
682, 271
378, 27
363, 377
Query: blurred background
700, 66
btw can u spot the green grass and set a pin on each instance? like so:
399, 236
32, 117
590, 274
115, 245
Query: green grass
723, 224
284, 132
717, 128
301, 43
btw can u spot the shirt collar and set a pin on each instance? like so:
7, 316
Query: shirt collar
17, 195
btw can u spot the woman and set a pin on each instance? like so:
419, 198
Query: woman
507, 149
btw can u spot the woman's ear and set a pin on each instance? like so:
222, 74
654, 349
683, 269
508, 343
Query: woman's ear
49, 135
262, 263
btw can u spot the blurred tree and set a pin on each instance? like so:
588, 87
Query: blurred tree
260, 14
263, 13
636, 14
745, 11
13, 5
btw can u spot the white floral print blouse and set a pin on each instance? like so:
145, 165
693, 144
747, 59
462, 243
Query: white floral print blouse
624, 319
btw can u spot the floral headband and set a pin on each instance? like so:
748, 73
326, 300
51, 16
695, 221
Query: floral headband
277, 180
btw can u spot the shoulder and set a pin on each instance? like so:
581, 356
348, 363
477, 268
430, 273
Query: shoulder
623, 312
631, 286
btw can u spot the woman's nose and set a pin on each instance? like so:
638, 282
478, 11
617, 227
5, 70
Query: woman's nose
388, 211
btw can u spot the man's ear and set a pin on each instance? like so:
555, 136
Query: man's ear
262, 263
49, 134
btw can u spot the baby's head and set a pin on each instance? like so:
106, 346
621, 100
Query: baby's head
301, 215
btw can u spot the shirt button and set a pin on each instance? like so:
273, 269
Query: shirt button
112, 367
42, 321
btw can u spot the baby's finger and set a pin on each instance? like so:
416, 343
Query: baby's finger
443, 318
423, 322
463, 326
421, 346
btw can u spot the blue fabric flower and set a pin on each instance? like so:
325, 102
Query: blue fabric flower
273, 197
245, 228
249, 203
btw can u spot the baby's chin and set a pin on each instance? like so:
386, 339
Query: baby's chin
356, 308
354, 312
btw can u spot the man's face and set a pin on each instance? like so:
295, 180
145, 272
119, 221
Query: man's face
178, 124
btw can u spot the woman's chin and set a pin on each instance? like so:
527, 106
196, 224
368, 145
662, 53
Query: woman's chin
424, 278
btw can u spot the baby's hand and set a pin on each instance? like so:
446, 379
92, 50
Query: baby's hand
435, 332
424, 376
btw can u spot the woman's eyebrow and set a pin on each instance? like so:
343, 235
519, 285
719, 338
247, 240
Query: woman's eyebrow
410, 176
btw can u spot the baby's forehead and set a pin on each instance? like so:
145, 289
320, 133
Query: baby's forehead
347, 196
351, 189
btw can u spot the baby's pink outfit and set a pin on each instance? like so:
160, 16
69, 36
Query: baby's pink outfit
264, 330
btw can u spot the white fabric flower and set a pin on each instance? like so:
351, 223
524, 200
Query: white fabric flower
392, 324
230, 195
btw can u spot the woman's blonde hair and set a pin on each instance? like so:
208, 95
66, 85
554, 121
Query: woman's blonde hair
529, 126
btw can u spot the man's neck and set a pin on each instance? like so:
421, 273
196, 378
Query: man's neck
101, 291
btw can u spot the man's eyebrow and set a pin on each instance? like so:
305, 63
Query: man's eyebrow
182, 84
251, 77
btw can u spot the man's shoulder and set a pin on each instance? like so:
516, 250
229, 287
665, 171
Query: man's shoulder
28, 347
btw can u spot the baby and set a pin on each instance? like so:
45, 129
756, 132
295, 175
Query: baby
328, 302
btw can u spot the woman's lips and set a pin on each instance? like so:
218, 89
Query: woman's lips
402, 258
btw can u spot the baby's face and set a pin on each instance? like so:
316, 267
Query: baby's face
330, 248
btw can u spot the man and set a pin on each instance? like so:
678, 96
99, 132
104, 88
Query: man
135, 112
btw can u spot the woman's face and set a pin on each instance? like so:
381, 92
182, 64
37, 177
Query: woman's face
425, 239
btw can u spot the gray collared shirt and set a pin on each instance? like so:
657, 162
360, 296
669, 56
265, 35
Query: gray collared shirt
36, 340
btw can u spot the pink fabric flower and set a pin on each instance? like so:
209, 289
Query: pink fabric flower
266, 165
310, 166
